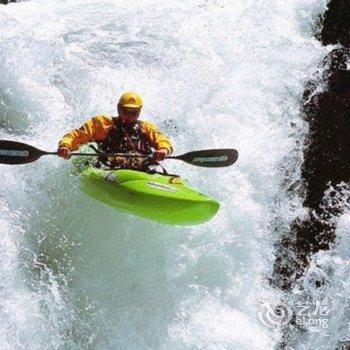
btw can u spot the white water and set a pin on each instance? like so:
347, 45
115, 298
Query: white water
213, 74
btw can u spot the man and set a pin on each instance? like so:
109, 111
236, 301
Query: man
122, 134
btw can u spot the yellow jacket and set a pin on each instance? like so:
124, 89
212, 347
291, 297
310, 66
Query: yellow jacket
98, 127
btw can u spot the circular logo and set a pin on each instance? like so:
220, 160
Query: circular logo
176, 181
274, 315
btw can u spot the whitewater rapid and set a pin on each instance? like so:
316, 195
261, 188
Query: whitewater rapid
76, 274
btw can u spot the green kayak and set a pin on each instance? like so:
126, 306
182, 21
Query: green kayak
157, 197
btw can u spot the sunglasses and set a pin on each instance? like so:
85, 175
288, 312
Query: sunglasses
131, 112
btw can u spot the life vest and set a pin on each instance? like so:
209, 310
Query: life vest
125, 139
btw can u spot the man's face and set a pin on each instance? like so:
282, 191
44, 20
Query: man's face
128, 115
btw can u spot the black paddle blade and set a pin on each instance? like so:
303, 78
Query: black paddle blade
211, 158
12, 152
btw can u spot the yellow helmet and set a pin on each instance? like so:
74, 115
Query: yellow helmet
130, 99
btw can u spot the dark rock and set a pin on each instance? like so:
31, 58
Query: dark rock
327, 151
326, 154
326, 163
5, 2
294, 249
336, 23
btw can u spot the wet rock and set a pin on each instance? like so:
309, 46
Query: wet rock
336, 24
5, 2
326, 107
327, 151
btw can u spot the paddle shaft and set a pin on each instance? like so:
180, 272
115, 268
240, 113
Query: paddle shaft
15, 153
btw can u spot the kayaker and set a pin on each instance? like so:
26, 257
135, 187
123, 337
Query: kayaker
122, 134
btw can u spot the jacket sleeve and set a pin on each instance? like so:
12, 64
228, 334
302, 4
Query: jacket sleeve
156, 138
94, 129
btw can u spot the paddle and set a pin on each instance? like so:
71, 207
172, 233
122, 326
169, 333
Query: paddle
13, 152
210, 158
